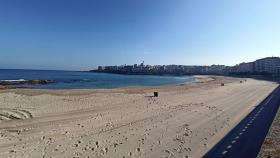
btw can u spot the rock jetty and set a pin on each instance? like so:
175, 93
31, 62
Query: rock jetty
19, 82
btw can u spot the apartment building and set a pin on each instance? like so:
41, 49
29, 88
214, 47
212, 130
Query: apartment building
267, 65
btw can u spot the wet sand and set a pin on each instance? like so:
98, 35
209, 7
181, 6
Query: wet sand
184, 121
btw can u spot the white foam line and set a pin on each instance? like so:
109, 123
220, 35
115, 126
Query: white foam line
13, 80
233, 141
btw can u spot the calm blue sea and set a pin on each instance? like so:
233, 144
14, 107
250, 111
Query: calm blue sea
85, 80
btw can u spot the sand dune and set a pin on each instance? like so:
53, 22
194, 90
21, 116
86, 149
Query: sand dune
184, 121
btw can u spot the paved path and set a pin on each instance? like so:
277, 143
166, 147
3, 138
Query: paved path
246, 139
271, 144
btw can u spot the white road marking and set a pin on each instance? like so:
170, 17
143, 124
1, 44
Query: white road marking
229, 146
246, 127
224, 152
268, 100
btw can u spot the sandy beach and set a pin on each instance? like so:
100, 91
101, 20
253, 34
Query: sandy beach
184, 121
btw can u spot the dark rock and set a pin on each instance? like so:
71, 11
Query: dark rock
3, 87
19, 82
38, 82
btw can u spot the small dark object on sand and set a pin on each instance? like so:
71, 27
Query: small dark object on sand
155, 94
222, 84
240, 81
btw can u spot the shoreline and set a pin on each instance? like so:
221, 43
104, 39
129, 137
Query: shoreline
36, 84
199, 81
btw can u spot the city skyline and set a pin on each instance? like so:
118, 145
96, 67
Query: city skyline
263, 66
71, 35
145, 63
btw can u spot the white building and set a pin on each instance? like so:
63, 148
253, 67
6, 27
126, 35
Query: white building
245, 68
267, 65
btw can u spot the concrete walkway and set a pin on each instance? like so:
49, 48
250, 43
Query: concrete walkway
271, 145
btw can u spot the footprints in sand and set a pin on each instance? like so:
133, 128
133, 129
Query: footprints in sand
91, 147
182, 138
14, 114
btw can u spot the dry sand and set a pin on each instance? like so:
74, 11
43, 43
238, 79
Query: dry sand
184, 121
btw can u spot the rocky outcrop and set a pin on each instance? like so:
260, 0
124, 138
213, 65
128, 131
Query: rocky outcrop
3, 87
19, 82
38, 81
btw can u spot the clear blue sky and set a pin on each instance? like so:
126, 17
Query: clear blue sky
82, 34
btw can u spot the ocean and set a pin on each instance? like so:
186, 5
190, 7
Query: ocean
89, 80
